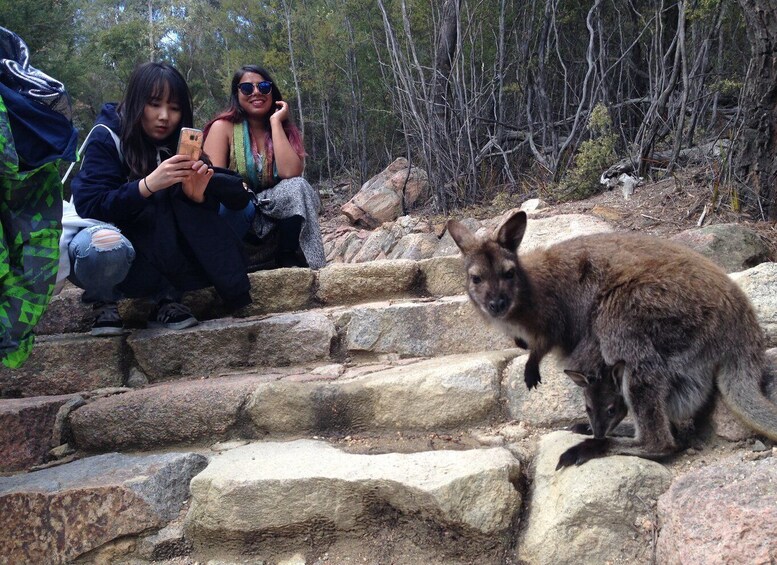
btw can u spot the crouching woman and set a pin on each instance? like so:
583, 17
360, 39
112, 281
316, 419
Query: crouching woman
159, 233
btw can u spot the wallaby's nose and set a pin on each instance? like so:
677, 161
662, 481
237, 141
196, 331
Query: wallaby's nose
497, 306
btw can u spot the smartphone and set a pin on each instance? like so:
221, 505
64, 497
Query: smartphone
190, 143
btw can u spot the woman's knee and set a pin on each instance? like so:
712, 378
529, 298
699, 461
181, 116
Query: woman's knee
96, 240
105, 239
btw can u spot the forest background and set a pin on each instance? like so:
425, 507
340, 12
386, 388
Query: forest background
488, 96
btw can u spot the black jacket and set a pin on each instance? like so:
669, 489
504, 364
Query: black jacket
189, 244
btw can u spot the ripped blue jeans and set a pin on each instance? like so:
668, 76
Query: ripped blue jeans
100, 258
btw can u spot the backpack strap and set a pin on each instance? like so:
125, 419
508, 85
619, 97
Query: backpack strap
116, 142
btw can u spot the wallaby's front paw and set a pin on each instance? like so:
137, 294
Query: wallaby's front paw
531, 375
531, 381
584, 451
582, 429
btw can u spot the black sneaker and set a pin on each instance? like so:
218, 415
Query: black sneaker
173, 316
107, 321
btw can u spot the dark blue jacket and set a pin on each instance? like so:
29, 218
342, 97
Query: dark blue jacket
40, 134
189, 244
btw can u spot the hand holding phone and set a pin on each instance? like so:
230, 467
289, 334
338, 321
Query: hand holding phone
190, 143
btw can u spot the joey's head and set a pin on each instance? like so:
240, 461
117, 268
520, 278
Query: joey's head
496, 283
604, 402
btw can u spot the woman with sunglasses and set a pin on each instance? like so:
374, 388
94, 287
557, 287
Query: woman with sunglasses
256, 137
158, 232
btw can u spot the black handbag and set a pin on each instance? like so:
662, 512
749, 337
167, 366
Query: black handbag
229, 188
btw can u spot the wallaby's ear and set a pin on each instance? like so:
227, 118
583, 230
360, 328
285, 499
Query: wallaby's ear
617, 374
465, 239
510, 232
577, 377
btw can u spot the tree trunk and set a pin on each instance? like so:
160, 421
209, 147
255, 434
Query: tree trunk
287, 13
754, 161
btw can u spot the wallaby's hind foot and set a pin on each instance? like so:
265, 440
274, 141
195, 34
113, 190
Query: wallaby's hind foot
623, 429
592, 448
584, 451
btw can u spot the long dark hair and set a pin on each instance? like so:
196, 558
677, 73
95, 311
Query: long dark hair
234, 113
149, 81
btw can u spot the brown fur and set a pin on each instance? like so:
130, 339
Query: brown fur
673, 318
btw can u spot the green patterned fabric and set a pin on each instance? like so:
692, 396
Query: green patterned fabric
243, 160
30, 227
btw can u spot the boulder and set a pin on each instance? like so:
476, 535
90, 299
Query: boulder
378, 280
280, 290
759, 283
420, 329
66, 364
722, 513
165, 414
599, 512
556, 403
57, 514
380, 198
734, 247
443, 276
278, 340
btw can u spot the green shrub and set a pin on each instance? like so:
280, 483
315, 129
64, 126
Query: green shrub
593, 157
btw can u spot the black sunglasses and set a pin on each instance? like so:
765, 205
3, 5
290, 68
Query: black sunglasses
247, 88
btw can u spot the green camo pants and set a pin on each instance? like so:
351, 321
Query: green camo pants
30, 226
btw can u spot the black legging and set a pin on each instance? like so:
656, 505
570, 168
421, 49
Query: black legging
288, 234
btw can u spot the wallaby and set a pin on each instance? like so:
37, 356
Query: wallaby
673, 318
602, 390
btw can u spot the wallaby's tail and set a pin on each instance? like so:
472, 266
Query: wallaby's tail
740, 386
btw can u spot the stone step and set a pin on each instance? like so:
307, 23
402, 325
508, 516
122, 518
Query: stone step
285, 290
72, 363
438, 394
250, 496
257, 500
312, 501
331, 399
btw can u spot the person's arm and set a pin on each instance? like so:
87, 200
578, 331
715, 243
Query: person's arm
218, 144
100, 189
287, 161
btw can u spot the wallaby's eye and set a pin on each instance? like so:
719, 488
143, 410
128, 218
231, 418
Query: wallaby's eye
610, 411
475, 279
509, 275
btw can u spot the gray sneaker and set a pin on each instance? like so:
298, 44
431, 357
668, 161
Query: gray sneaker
107, 321
173, 316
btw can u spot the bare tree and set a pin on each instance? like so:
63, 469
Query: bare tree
287, 15
755, 164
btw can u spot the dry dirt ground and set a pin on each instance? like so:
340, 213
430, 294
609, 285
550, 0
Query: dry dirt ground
668, 207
